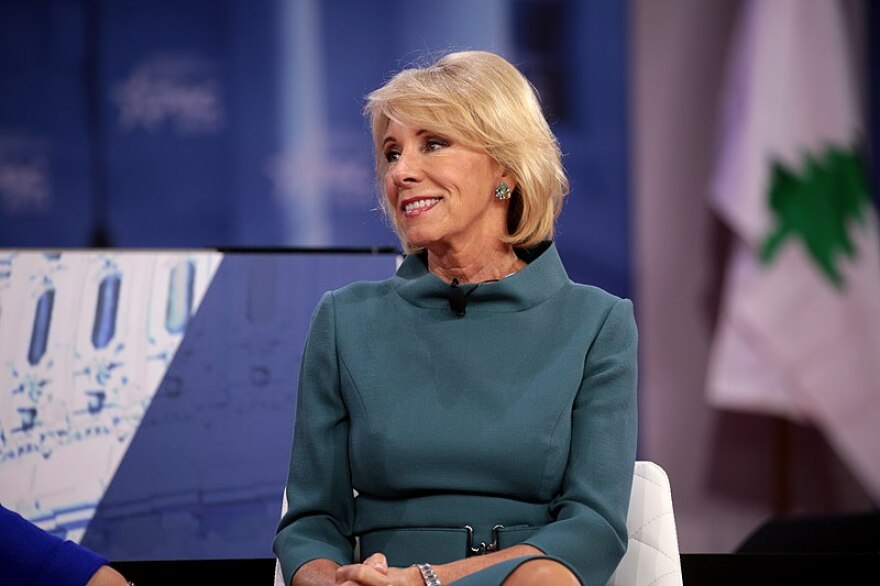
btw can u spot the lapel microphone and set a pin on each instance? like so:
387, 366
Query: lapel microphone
458, 298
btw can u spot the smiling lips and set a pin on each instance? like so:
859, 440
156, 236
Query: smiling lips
415, 206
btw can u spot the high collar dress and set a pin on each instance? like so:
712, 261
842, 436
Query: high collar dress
429, 436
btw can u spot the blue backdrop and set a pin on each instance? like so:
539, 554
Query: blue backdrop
180, 123
204, 475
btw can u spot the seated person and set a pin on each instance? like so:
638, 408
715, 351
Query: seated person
480, 403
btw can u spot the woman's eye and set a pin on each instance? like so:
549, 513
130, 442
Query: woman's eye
392, 155
433, 144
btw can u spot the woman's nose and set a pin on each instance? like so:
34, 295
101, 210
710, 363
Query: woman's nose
406, 169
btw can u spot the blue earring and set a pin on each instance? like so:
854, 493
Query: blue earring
502, 191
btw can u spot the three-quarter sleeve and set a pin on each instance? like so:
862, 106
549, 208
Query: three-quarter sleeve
320, 514
589, 527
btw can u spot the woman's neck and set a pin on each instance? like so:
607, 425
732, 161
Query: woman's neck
475, 265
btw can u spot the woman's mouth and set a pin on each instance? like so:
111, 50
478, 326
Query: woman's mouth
414, 207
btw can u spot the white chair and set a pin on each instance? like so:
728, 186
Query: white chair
652, 557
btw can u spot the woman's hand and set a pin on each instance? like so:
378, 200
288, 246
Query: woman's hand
374, 571
107, 576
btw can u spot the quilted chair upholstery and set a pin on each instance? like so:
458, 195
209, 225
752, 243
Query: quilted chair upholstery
652, 557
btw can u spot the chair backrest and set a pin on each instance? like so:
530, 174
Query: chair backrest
652, 556
279, 578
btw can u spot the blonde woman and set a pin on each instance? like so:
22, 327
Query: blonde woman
471, 420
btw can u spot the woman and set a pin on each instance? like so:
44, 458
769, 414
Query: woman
482, 405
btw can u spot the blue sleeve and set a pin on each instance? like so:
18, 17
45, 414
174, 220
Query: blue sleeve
33, 557
320, 514
589, 530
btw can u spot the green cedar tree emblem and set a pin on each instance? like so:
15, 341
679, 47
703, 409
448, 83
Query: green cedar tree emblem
817, 206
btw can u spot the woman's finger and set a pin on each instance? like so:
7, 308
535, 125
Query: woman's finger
377, 561
361, 574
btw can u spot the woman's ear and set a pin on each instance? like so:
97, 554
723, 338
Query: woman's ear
507, 177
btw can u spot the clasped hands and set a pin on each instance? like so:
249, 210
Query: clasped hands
374, 571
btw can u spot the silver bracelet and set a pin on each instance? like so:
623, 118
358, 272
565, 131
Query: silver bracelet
428, 575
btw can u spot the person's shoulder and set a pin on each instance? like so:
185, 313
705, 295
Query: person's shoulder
596, 296
361, 291
603, 311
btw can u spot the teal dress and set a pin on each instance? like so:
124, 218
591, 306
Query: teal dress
513, 424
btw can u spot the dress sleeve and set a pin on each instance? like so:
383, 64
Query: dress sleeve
320, 514
30, 555
589, 530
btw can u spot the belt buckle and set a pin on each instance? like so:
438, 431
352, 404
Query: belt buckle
483, 548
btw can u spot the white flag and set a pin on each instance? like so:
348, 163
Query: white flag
799, 334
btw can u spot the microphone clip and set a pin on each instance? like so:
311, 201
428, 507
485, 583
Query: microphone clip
457, 299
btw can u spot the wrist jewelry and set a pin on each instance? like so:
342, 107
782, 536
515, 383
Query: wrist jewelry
428, 575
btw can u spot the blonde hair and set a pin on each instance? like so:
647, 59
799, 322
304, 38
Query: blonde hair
482, 100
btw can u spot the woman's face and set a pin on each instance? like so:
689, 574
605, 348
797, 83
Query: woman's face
441, 191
